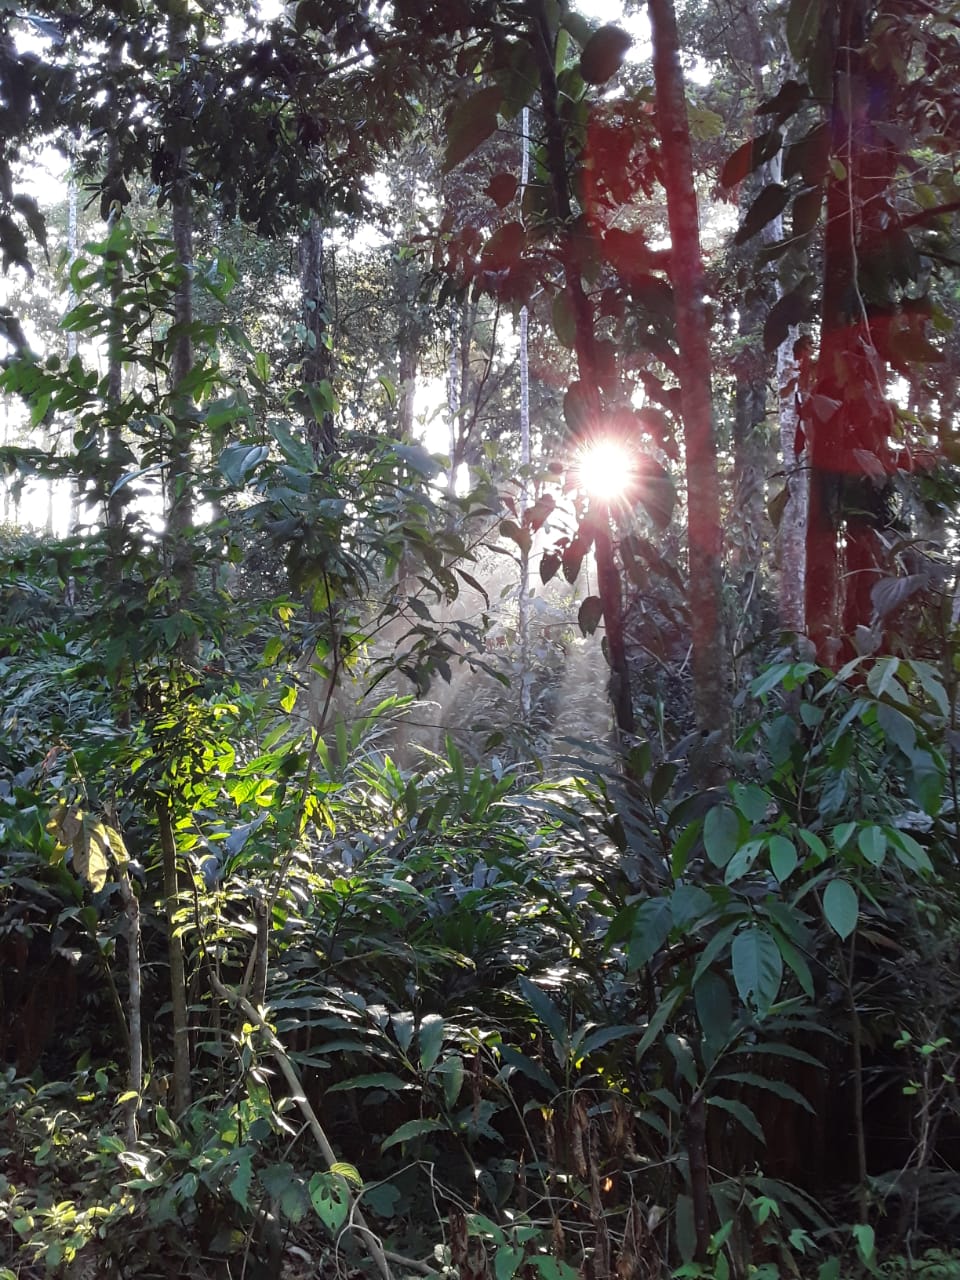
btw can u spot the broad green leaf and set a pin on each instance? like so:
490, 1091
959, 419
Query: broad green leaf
604, 1036
239, 1184
721, 834
330, 1198
783, 857
507, 1262
546, 1011
470, 123
841, 907
374, 1080
659, 1019
741, 1113
590, 615
431, 1039
714, 1007
873, 844
814, 844
552, 1268
757, 968
772, 1086
564, 321
769, 680
603, 54
349, 1172
412, 1129
866, 1243
803, 23
651, 928
752, 801
794, 961
516, 1061
909, 851
453, 1072
742, 861
403, 1028
768, 205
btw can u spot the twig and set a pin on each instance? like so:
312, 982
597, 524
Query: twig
255, 1018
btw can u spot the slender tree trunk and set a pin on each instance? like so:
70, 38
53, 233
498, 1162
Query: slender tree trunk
523, 593
180, 476
710, 658
180, 512
182, 1090
608, 577
76, 495
791, 534
318, 361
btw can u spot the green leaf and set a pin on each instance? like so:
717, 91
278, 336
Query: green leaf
374, 1080
546, 1011
502, 189
749, 156
742, 861
721, 834
403, 1028
453, 1072
866, 1243
470, 123
239, 1184
752, 801
711, 996
431, 1039
659, 1019
515, 1060
770, 680
740, 1113
757, 968
604, 1036
330, 1198
783, 857
841, 907
803, 23
651, 928
590, 615
772, 1086
412, 1129
603, 54
349, 1172
769, 204
238, 460
873, 844
564, 321
507, 1262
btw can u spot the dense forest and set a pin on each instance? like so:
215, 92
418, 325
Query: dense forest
479, 643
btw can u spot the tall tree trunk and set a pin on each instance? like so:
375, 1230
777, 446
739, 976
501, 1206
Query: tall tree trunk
180, 512
76, 484
523, 590
850, 422
608, 577
318, 360
792, 531
710, 658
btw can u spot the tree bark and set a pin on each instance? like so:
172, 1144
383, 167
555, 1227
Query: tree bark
182, 1090
710, 658
180, 477
585, 345
523, 590
318, 360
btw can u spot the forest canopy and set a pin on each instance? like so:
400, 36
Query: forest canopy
479, 639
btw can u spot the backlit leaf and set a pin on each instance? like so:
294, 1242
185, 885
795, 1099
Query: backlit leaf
603, 54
